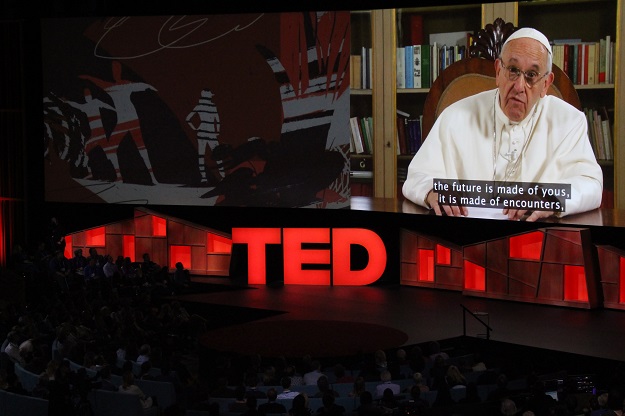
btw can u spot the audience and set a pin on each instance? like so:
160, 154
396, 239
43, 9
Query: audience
271, 406
287, 393
330, 408
300, 406
387, 383
129, 387
111, 332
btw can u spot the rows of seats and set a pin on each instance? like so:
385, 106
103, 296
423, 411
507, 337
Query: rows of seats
111, 403
164, 392
19, 404
349, 403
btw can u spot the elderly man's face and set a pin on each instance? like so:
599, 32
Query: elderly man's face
517, 97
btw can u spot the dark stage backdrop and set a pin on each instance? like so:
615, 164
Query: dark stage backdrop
231, 109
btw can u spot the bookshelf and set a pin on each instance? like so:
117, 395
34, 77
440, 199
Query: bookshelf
385, 30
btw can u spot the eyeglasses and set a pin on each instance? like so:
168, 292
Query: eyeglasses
531, 76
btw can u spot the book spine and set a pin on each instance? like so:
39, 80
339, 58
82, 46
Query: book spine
401, 134
591, 64
426, 72
608, 60
408, 50
356, 134
584, 76
363, 66
565, 59
602, 50
578, 63
356, 71
416, 60
401, 68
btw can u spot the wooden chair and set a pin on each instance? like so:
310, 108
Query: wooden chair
476, 73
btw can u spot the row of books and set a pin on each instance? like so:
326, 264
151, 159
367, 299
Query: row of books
419, 65
585, 63
409, 133
361, 129
410, 137
599, 133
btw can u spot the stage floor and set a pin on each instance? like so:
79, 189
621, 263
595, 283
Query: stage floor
431, 314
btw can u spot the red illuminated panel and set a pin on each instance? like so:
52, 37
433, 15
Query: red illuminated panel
526, 246
575, 283
159, 227
443, 254
218, 244
179, 254
621, 279
129, 247
474, 276
69, 251
95, 237
426, 265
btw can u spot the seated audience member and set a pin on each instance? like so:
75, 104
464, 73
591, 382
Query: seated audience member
93, 254
287, 393
381, 362
252, 407
239, 404
359, 387
415, 405
149, 269
330, 408
501, 391
455, 377
129, 387
367, 407
435, 351
181, 278
386, 378
130, 274
388, 401
105, 379
269, 376
419, 382
291, 372
78, 261
324, 387
92, 272
310, 378
60, 271
300, 407
12, 349
508, 407
271, 406
110, 268
341, 374
222, 390
145, 371
144, 354
252, 387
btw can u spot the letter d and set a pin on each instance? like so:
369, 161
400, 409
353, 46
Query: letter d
342, 239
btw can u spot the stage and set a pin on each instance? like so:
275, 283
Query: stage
422, 314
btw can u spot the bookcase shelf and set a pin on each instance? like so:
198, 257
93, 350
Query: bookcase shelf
588, 20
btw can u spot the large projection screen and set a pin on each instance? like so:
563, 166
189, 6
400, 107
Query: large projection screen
229, 109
